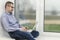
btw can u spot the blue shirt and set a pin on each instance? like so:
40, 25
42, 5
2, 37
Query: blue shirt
9, 22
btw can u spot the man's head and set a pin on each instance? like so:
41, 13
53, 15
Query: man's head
9, 6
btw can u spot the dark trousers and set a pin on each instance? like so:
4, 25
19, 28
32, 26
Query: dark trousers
20, 35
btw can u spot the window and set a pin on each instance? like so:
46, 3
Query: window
25, 12
52, 16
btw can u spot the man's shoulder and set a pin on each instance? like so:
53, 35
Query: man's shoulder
4, 15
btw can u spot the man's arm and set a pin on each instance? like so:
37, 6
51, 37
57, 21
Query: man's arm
4, 22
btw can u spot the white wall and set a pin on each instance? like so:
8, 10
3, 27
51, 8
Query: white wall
1, 6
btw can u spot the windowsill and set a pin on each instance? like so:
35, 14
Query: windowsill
48, 38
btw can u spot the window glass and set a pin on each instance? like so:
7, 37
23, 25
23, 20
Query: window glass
52, 16
25, 12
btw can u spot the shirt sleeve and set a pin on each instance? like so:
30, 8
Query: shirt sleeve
4, 22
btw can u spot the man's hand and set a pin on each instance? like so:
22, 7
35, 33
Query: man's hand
23, 29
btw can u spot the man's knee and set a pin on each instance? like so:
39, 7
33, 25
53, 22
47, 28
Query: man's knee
35, 33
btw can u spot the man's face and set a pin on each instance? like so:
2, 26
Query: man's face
9, 7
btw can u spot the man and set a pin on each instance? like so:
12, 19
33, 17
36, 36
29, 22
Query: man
12, 26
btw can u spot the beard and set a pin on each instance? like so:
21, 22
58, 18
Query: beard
11, 13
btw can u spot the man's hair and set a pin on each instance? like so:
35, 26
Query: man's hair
7, 3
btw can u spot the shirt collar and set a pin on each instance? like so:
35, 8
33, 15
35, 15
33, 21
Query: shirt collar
8, 13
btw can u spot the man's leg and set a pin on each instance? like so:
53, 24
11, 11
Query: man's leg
26, 35
20, 34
